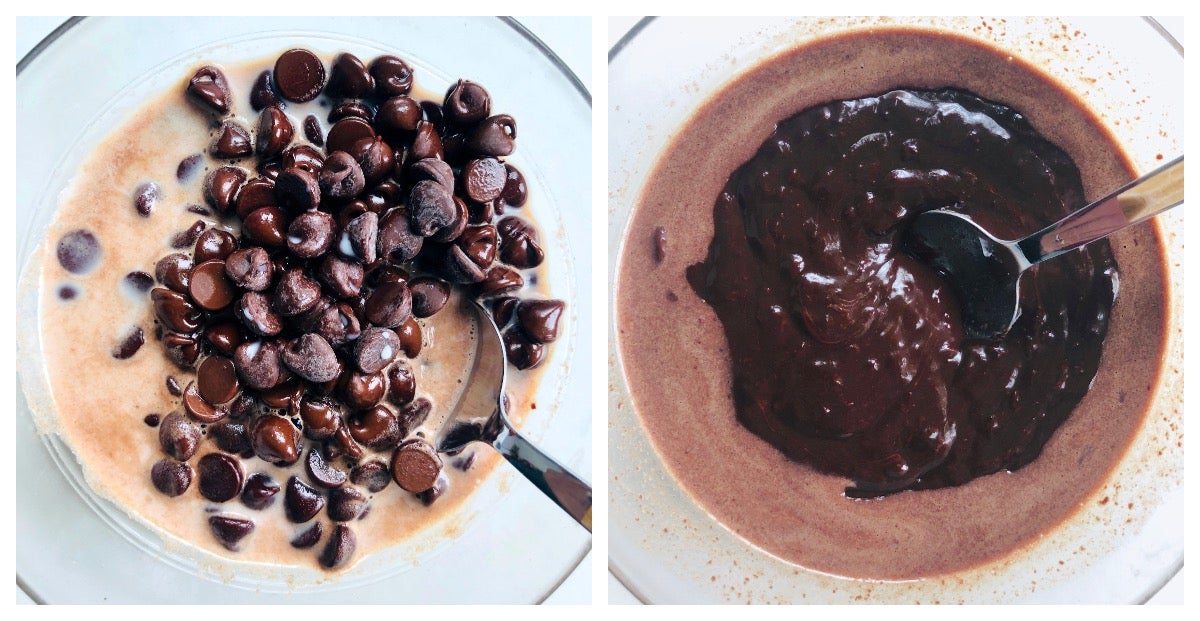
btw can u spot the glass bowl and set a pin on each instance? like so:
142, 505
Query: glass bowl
666, 548
507, 543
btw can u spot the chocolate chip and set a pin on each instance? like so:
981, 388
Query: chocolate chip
232, 141
231, 437
346, 504
427, 142
262, 94
397, 241
266, 226
198, 408
259, 492
217, 380
375, 157
301, 502
221, 187
299, 75
129, 345
346, 132
258, 192
174, 271
398, 115
373, 475
539, 319
457, 267
250, 268
182, 349
210, 90
339, 325
348, 109
275, 132
518, 243
504, 310
178, 436
303, 156
415, 465
308, 537
312, 130
389, 305
209, 286
188, 236
171, 477
340, 547
173, 386
221, 477
494, 136
430, 208
375, 349
414, 415
214, 244
188, 166
362, 236
310, 234
321, 417
78, 251
479, 243
429, 496
430, 169
480, 213
244, 406
297, 189
465, 462
311, 357
466, 103
258, 364
361, 390
322, 473
392, 76
456, 227
349, 78
294, 294
522, 352
345, 442
230, 530
484, 179
343, 278
145, 197
342, 178
151, 420
275, 440
410, 337
402, 384
174, 310
515, 192
429, 295
376, 428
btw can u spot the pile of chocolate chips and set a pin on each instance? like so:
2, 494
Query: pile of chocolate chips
298, 310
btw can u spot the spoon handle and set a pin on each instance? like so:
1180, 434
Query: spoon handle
559, 484
1138, 200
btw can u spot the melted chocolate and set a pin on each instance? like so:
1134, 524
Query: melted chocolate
847, 354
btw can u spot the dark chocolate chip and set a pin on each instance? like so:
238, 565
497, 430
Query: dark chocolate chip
321, 418
217, 380
250, 268
376, 428
174, 310
429, 496
430, 169
342, 178
210, 288
392, 76
373, 475
518, 243
284, 394
210, 90
258, 364
151, 420
414, 415
230, 530
198, 408
430, 208
415, 465
312, 130
410, 337
459, 268
361, 390
244, 406
188, 236
310, 234
389, 305
522, 352
539, 319
456, 227
221, 477
479, 243
515, 192
402, 384
171, 477
258, 192
174, 271
140, 281
311, 357
188, 166
129, 345
375, 349
427, 142
299, 75
266, 225
494, 136
429, 295
504, 310
275, 440
339, 325
214, 244
308, 537
346, 503
232, 141
297, 189
349, 78
303, 156
78, 251
260, 490
362, 236
397, 241
483, 179
145, 197
301, 502
262, 94
398, 115
230, 437
348, 109
221, 187
295, 293
179, 436
322, 473
374, 157
343, 278
466, 103
275, 132
182, 349
340, 547
343, 134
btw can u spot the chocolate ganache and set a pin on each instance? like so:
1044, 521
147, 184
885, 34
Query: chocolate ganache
847, 354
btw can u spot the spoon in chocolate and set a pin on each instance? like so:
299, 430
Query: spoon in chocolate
984, 270
481, 416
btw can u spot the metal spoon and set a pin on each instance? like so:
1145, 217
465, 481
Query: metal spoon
983, 270
480, 416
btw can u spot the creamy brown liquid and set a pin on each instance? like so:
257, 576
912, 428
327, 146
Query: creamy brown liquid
99, 402
677, 362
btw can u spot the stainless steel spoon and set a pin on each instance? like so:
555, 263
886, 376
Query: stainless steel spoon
984, 270
480, 416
